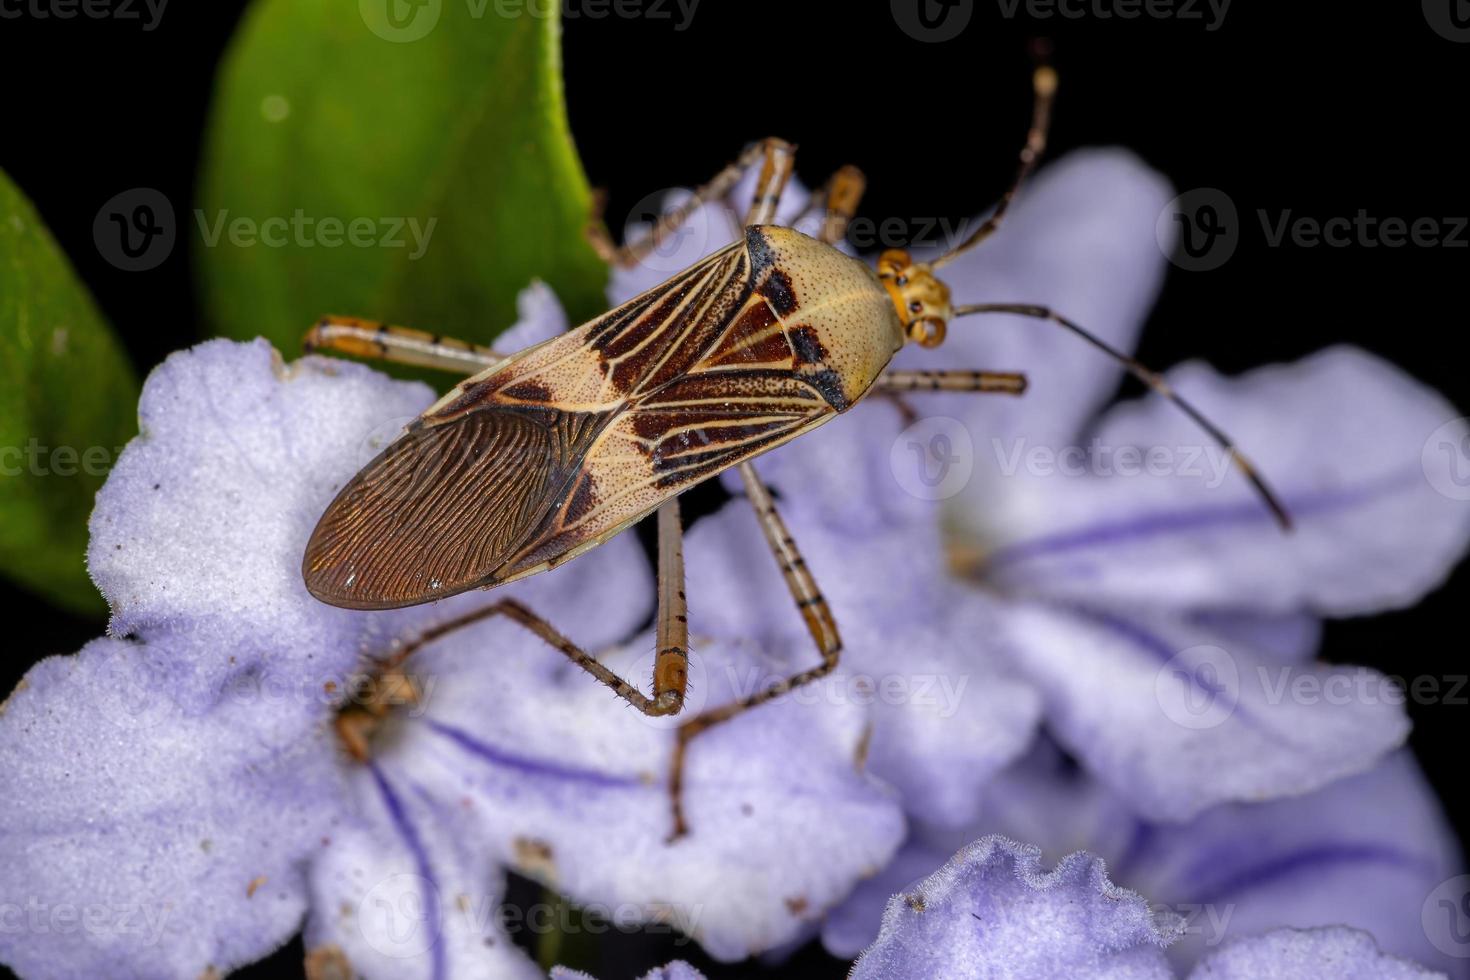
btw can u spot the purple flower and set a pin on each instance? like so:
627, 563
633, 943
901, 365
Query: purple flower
677, 970
992, 911
1109, 573
174, 798
1366, 852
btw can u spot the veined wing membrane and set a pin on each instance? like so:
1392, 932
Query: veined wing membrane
436, 511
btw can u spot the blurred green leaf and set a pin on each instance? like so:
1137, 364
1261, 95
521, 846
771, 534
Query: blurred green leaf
68, 403
444, 116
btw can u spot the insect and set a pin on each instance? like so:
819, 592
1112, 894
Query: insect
542, 455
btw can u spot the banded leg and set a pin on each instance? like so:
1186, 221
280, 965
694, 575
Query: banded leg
777, 164
841, 196
671, 666
398, 345
663, 702
997, 382
814, 611
630, 253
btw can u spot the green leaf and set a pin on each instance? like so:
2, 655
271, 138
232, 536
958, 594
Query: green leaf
460, 133
68, 403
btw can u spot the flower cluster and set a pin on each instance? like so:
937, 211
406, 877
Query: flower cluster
1114, 656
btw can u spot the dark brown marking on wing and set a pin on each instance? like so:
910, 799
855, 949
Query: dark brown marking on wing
529, 390
754, 338
670, 339
583, 498
769, 280
806, 346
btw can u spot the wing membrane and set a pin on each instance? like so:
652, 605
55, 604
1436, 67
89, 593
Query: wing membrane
434, 513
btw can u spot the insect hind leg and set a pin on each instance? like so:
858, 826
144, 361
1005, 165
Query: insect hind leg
397, 345
814, 612
662, 703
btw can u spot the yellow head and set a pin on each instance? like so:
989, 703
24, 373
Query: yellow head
921, 299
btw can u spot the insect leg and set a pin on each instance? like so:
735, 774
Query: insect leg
717, 187
814, 611
779, 160
999, 382
671, 662
843, 192
399, 345
660, 704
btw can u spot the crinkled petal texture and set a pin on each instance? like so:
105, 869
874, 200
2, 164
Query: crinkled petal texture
1363, 852
1345, 439
1309, 954
139, 839
555, 777
993, 912
1177, 717
200, 528
677, 970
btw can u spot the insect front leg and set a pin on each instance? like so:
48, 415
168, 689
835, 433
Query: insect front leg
997, 382
397, 345
814, 611
631, 253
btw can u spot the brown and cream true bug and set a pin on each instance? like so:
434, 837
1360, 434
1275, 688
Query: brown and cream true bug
545, 454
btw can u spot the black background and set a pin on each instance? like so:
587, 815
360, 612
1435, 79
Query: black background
1314, 108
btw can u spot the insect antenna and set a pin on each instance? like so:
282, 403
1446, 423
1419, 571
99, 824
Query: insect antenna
1155, 381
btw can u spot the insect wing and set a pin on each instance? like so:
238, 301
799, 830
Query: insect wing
433, 513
